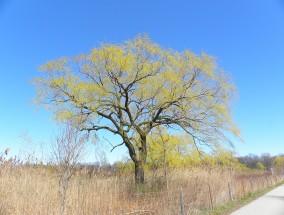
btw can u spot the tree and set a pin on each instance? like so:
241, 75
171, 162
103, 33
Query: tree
279, 163
266, 160
166, 151
68, 148
226, 158
260, 166
131, 88
249, 161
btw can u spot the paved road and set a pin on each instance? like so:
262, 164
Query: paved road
272, 203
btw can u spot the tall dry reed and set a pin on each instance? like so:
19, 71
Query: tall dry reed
28, 189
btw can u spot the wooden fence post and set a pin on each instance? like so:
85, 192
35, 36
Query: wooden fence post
243, 186
182, 202
230, 191
210, 195
251, 187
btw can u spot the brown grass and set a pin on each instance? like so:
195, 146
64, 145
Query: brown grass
34, 190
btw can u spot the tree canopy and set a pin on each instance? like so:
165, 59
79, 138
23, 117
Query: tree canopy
131, 88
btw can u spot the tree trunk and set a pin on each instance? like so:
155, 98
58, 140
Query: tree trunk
138, 159
139, 165
139, 173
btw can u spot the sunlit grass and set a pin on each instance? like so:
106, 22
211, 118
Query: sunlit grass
28, 189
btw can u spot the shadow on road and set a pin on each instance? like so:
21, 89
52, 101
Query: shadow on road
275, 197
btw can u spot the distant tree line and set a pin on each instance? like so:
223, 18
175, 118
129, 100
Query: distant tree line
264, 161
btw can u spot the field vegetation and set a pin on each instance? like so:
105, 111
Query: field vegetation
111, 189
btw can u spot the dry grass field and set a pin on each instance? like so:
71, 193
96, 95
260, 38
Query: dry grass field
34, 190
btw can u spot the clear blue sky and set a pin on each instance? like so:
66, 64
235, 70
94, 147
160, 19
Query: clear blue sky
247, 37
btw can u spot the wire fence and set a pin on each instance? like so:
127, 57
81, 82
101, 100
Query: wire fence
183, 202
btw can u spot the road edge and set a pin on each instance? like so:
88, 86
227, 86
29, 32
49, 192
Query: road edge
232, 206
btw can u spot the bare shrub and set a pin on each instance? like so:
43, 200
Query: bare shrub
68, 148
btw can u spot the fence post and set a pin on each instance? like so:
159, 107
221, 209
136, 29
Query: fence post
243, 186
230, 191
181, 199
210, 195
251, 187
274, 179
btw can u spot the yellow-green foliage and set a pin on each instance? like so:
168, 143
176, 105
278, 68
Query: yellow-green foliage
125, 166
279, 162
166, 150
260, 166
177, 150
132, 88
226, 158
85, 81
217, 158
